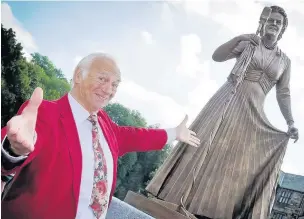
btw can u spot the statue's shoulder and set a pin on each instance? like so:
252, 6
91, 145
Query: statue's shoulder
284, 56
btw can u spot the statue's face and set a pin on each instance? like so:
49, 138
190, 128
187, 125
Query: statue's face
274, 25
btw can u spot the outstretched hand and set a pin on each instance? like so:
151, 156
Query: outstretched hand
185, 135
21, 128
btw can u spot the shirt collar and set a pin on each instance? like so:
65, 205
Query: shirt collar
80, 113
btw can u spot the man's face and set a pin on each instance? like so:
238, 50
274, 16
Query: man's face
100, 84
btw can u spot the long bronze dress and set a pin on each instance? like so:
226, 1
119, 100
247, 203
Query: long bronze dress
233, 173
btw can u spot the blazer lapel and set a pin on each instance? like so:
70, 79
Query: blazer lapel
110, 140
73, 143
106, 132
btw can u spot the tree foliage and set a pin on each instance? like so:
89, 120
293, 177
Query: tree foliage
11, 57
19, 77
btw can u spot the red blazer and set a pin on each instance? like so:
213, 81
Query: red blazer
47, 183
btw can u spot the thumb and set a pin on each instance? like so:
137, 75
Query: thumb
34, 102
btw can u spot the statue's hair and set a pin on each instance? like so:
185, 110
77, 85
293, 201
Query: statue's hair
281, 11
86, 62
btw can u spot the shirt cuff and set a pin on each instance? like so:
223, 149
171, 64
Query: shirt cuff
171, 135
7, 156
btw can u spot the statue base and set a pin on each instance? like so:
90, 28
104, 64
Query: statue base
154, 207
121, 210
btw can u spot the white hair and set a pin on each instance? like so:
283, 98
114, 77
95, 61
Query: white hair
86, 62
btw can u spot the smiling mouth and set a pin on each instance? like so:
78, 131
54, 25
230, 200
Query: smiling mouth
273, 28
101, 97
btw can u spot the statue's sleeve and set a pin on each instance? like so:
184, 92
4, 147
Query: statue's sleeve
283, 94
235, 52
229, 50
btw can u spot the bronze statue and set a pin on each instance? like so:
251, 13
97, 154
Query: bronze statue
233, 173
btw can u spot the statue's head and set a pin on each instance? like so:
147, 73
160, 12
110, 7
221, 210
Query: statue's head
276, 23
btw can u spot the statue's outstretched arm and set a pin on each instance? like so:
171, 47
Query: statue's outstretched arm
283, 94
231, 49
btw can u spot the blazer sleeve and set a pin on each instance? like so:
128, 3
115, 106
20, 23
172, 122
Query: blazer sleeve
132, 139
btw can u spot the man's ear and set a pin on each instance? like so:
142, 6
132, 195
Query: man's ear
77, 76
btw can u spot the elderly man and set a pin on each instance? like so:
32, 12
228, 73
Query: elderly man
64, 153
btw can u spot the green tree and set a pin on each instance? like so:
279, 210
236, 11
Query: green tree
11, 90
135, 169
51, 79
20, 77
48, 67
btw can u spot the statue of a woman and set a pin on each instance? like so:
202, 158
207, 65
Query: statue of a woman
233, 173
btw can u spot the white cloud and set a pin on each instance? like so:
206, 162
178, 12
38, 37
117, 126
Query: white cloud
22, 35
200, 7
147, 37
245, 21
200, 95
288, 167
293, 6
245, 16
167, 16
156, 108
190, 64
292, 43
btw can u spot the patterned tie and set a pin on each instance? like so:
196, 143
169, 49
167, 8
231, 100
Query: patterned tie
99, 200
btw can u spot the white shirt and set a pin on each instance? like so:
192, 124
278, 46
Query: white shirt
84, 129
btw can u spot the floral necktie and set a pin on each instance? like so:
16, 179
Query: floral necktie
99, 197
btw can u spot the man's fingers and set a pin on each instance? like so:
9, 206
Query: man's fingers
21, 146
17, 149
19, 140
195, 140
192, 143
13, 125
192, 132
34, 102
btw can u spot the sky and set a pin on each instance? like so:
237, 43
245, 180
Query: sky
163, 50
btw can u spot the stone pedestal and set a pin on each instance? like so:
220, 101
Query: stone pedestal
121, 210
154, 207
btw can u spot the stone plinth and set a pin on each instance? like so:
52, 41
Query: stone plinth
156, 208
121, 210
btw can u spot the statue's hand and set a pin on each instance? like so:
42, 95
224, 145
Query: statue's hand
293, 133
253, 38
